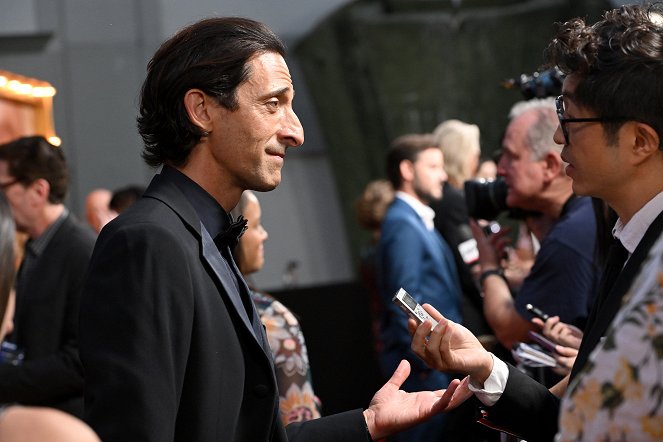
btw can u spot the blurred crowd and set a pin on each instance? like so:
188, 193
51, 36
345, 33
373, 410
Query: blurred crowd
539, 266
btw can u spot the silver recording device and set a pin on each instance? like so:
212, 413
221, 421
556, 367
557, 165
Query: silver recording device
411, 307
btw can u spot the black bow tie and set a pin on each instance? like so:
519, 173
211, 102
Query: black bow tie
231, 235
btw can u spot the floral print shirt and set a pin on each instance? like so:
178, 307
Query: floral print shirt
618, 396
297, 402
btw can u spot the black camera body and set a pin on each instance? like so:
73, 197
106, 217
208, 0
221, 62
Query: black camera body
486, 199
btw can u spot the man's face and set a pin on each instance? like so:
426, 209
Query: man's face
596, 167
523, 174
19, 198
429, 175
249, 144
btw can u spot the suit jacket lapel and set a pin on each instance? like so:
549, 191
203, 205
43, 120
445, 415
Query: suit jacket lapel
166, 192
600, 318
213, 257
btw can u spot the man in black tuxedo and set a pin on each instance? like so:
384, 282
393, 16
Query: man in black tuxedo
611, 126
34, 178
172, 346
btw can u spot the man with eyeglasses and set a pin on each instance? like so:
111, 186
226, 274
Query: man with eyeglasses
34, 178
611, 124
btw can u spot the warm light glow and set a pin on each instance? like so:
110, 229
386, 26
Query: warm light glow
37, 96
55, 141
43, 91
19, 85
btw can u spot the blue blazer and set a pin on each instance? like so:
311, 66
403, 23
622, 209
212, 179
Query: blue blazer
420, 261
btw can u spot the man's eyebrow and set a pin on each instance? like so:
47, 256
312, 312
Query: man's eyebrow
278, 92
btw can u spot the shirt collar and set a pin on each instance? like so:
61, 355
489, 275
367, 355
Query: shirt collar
426, 214
631, 233
213, 216
38, 245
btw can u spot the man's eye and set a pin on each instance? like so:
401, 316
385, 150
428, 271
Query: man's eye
273, 104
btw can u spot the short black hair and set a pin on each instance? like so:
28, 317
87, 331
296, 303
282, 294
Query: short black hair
32, 158
210, 55
620, 64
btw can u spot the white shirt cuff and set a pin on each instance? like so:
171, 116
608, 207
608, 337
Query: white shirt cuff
494, 386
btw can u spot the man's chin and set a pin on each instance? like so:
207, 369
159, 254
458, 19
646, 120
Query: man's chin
266, 186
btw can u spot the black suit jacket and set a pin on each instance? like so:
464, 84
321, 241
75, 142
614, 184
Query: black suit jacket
167, 354
47, 325
527, 407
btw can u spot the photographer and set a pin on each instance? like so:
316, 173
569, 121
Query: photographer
563, 275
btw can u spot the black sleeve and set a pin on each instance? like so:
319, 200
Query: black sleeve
526, 408
348, 426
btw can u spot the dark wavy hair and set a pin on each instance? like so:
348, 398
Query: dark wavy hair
32, 158
619, 61
210, 55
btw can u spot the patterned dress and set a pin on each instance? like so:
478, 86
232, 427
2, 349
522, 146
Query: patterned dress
297, 401
618, 396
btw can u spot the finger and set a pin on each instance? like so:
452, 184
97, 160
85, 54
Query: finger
549, 326
433, 312
400, 375
538, 322
477, 232
418, 344
446, 396
565, 362
566, 351
461, 394
411, 326
434, 348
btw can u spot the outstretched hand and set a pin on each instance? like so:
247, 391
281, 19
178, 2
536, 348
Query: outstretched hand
450, 347
393, 410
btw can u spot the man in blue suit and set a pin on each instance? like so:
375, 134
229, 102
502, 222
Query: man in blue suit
413, 255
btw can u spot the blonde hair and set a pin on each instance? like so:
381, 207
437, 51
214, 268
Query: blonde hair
459, 142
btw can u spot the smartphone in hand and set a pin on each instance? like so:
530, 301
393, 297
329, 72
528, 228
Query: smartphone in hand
542, 341
537, 312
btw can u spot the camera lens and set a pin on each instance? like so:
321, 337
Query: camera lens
486, 199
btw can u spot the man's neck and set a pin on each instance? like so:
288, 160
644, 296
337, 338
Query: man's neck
635, 194
49, 214
555, 197
201, 171
412, 194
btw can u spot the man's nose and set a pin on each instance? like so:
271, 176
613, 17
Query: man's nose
292, 133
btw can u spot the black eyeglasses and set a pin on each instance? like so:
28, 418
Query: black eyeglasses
559, 103
8, 184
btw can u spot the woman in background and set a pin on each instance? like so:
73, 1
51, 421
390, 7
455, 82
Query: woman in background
18, 423
297, 402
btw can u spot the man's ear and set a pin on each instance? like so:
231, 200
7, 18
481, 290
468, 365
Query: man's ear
197, 105
40, 189
645, 142
553, 165
406, 168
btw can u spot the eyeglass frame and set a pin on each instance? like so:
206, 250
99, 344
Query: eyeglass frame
8, 184
559, 107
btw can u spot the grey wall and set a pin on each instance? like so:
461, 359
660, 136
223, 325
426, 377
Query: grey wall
94, 52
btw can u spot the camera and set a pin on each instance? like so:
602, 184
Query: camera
542, 84
486, 199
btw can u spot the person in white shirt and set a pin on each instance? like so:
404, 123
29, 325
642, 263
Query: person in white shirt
411, 254
611, 125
